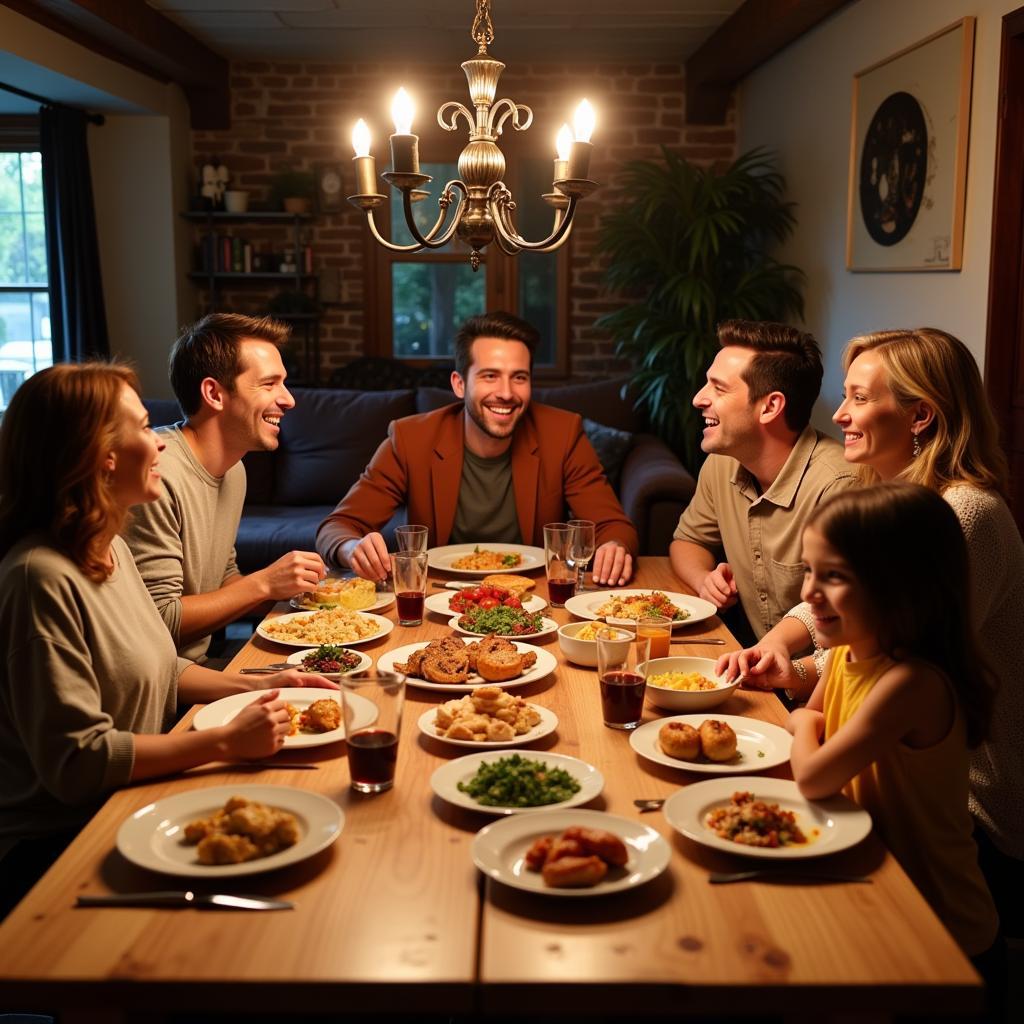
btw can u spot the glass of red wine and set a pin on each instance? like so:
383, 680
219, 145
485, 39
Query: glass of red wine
561, 567
409, 574
622, 675
372, 704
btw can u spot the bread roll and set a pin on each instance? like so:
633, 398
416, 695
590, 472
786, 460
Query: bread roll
574, 872
680, 740
717, 740
499, 666
518, 585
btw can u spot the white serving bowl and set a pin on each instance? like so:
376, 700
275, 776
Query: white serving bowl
584, 652
687, 700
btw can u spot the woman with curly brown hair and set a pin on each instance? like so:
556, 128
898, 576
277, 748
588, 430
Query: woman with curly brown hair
89, 677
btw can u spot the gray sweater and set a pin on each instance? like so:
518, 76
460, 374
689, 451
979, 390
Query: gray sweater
84, 666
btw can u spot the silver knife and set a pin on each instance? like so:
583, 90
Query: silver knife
184, 898
277, 666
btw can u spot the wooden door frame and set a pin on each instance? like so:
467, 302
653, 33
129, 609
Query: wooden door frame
1005, 332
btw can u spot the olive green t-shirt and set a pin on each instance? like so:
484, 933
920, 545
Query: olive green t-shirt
487, 505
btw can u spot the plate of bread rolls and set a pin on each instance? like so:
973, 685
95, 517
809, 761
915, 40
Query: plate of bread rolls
713, 744
570, 853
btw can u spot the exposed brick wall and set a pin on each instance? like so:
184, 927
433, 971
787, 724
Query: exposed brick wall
294, 115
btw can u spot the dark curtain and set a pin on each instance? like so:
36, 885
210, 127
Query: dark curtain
78, 320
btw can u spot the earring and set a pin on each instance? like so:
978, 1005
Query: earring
917, 446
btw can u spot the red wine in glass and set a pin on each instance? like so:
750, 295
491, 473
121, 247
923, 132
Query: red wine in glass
622, 699
410, 608
560, 590
372, 754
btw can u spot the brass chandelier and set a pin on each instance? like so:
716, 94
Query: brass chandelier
484, 212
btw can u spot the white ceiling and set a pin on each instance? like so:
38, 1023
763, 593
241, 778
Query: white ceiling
570, 31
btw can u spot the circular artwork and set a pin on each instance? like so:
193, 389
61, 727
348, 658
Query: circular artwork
893, 168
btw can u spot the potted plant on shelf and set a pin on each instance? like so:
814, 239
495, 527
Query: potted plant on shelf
293, 191
688, 248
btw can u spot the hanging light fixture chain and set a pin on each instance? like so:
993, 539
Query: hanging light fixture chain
482, 31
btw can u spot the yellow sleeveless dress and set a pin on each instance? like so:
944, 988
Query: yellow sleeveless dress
917, 799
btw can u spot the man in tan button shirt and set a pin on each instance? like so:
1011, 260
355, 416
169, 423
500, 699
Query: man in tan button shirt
766, 471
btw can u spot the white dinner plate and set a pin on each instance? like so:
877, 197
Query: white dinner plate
584, 606
832, 825
759, 745
548, 724
439, 603
152, 837
445, 780
544, 665
384, 600
384, 626
441, 558
499, 850
220, 712
365, 661
548, 627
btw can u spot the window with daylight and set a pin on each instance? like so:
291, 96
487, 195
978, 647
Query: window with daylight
416, 301
24, 299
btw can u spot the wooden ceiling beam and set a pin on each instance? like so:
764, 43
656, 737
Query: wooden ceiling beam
756, 31
140, 37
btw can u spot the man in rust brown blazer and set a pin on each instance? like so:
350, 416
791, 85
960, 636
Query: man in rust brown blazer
493, 468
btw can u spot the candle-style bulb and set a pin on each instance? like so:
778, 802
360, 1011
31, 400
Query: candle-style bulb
361, 138
563, 142
584, 121
401, 111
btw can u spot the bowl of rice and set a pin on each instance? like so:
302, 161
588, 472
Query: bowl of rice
578, 641
686, 684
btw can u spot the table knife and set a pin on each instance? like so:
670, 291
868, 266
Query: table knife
277, 666
184, 898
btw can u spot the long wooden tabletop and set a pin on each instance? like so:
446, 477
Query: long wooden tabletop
394, 917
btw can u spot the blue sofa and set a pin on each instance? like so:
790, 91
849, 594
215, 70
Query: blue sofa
331, 434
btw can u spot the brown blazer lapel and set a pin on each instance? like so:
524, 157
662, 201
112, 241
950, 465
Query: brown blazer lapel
525, 475
446, 475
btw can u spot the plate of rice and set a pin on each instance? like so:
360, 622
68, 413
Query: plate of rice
330, 626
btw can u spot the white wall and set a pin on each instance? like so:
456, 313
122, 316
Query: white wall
140, 173
799, 104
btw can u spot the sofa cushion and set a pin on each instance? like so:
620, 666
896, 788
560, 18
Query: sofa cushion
611, 445
328, 439
599, 400
162, 411
429, 399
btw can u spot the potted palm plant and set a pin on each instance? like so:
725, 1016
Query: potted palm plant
688, 248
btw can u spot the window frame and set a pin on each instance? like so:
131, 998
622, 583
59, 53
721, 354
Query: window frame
501, 289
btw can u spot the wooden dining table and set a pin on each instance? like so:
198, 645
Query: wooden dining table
393, 917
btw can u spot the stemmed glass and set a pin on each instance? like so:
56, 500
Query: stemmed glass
581, 548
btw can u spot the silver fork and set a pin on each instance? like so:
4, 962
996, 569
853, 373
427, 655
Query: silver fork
775, 875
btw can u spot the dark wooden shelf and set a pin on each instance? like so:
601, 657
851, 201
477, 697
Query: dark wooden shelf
241, 275
255, 215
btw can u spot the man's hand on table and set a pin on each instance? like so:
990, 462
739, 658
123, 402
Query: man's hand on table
613, 565
298, 572
368, 557
719, 587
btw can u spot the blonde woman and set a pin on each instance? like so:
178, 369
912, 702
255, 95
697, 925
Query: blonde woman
914, 409
89, 677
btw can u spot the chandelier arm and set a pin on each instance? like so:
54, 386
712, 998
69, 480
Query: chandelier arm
505, 108
415, 247
432, 240
449, 122
507, 230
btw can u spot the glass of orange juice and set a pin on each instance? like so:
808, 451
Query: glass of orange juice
658, 630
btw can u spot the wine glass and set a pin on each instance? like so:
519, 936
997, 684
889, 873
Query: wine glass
581, 547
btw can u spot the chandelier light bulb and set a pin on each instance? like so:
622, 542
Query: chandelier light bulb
584, 121
563, 142
402, 111
361, 138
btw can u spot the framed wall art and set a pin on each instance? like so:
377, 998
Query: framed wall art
329, 188
908, 156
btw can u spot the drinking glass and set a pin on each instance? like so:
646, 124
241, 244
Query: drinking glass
581, 548
560, 566
622, 673
411, 538
409, 575
658, 630
372, 748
